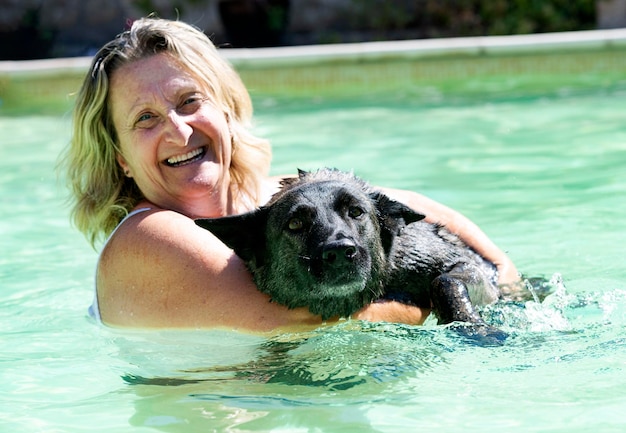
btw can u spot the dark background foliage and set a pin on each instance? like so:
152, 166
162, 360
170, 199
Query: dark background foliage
65, 28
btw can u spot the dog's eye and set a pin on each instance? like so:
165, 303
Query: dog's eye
355, 212
295, 224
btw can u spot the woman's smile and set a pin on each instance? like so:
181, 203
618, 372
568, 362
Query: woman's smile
187, 158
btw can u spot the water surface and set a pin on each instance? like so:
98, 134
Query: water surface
542, 175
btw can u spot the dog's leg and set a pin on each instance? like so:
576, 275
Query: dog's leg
451, 303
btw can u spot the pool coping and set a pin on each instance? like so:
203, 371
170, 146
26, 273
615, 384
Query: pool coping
354, 52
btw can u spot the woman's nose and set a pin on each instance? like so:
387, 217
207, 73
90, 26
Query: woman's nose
178, 129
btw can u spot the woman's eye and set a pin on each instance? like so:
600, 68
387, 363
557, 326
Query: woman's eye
191, 104
295, 224
144, 117
355, 212
145, 120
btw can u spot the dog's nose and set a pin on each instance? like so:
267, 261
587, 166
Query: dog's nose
338, 252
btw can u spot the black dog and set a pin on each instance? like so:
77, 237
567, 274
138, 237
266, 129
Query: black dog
329, 241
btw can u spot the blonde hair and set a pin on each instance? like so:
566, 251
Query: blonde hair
101, 194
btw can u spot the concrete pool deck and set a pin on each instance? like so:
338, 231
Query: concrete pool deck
310, 69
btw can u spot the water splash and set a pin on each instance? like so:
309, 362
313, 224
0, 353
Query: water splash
534, 315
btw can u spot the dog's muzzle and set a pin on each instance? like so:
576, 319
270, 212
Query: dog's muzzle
339, 253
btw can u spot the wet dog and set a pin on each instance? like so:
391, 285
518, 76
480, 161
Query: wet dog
331, 242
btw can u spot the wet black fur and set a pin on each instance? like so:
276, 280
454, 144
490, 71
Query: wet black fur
330, 242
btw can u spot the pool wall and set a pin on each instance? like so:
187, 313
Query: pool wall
562, 59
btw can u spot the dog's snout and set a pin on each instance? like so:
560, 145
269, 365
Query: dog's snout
338, 252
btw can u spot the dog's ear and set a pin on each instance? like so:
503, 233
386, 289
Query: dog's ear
244, 233
391, 209
393, 216
288, 181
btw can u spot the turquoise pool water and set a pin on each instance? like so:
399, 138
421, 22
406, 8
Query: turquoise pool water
542, 175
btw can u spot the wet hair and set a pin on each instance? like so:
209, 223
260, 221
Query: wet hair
101, 194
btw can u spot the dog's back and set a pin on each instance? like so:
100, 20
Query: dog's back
424, 251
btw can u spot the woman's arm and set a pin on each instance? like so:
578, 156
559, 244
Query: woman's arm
469, 232
161, 270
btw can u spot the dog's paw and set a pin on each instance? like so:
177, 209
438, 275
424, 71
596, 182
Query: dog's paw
480, 334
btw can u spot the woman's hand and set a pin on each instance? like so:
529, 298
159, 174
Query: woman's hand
385, 310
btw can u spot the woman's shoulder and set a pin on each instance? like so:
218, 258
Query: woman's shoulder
153, 265
154, 223
161, 235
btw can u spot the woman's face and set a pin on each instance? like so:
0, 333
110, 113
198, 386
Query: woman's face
174, 140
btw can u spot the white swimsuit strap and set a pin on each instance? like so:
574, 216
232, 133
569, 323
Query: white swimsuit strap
94, 310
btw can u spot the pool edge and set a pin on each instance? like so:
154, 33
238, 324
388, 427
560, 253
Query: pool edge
407, 49
48, 86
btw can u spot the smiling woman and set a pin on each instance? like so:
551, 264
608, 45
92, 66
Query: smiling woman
161, 136
174, 141
104, 193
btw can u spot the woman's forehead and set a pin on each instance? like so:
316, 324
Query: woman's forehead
156, 69
155, 77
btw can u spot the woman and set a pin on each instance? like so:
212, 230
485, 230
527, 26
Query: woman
161, 137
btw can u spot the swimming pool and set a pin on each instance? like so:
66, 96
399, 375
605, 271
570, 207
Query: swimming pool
540, 169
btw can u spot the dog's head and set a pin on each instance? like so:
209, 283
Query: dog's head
322, 241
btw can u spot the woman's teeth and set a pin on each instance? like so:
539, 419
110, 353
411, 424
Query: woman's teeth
186, 158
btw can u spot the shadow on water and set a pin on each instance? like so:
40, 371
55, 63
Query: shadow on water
351, 365
335, 358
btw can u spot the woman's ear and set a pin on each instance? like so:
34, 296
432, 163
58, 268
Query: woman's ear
125, 168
